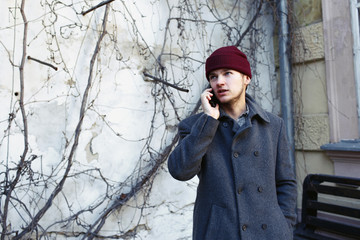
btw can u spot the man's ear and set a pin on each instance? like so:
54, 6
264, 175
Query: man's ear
247, 79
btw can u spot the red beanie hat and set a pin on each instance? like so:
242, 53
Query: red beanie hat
228, 57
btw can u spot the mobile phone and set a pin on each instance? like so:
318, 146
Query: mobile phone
213, 101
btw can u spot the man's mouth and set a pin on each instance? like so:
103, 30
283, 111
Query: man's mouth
222, 91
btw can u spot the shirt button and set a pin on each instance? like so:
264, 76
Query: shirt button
260, 189
256, 153
236, 154
244, 227
264, 226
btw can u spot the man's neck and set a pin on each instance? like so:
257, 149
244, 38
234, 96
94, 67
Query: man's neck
235, 110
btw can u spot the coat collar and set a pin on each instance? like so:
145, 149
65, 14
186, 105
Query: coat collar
254, 110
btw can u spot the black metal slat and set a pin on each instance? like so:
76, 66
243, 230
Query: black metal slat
335, 190
332, 208
311, 236
342, 228
335, 179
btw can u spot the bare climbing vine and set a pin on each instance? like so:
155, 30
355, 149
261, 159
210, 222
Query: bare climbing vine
87, 46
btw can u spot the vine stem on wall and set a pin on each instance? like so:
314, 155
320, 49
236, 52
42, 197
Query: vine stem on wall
10, 186
32, 225
125, 197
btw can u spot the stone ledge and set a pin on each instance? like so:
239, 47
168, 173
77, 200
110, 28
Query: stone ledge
352, 145
346, 157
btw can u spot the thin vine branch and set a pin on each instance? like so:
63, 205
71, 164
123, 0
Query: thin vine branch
10, 186
144, 180
97, 6
42, 62
166, 83
84, 103
256, 16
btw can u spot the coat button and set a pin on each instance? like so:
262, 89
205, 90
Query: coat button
256, 153
244, 227
235, 154
225, 124
260, 189
239, 190
264, 226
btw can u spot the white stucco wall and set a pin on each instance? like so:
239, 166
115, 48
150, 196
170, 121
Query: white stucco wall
129, 120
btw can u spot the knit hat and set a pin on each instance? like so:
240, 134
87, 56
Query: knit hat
228, 57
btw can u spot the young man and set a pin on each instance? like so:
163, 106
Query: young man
247, 187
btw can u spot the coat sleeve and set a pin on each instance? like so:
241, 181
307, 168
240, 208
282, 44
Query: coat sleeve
185, 160
285, 179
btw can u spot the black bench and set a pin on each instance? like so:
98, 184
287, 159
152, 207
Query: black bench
336, 214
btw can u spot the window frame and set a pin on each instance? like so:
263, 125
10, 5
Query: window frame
355, 23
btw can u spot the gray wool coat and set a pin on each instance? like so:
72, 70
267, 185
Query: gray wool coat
247, 185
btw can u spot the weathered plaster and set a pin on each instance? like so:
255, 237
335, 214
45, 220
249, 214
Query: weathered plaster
307, 11
311, 162
310, 88
312, 132
308, 43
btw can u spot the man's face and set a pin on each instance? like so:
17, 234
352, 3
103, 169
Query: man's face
229, 85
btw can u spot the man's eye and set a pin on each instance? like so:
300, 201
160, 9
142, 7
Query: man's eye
227, 73
212, 77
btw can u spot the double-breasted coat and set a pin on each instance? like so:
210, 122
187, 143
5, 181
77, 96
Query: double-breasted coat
247, 185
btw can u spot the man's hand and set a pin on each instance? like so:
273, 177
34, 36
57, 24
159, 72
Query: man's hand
207, 108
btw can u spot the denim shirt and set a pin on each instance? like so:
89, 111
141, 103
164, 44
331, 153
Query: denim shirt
242, 119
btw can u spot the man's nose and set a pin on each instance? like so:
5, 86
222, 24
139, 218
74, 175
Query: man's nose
221, 80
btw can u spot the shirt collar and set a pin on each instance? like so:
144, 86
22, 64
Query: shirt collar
246, 112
